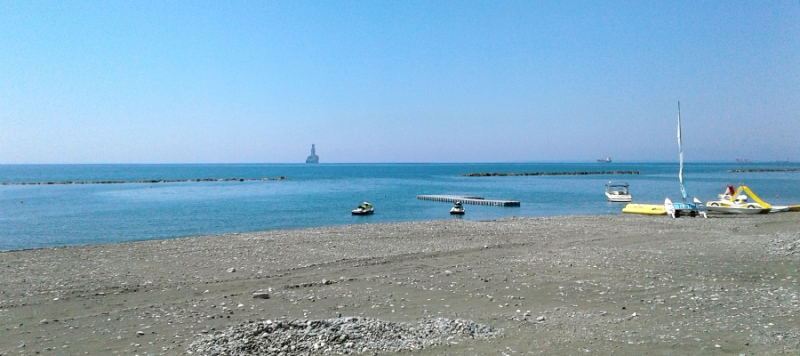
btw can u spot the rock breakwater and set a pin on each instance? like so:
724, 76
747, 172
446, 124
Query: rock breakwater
756, 170
496, 174
143, 181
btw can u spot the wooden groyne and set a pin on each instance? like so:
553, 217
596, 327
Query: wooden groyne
755, 170
148, 181
495, 174
468, 200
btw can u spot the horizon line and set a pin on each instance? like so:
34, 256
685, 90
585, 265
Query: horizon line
335, 163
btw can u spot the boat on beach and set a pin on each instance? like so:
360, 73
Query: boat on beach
646, 209
738, 199
731, 202
745, 210
364, 209
617, 192
676, 210
694, 208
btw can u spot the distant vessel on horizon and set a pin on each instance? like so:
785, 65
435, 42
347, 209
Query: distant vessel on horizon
313, 158
604, 160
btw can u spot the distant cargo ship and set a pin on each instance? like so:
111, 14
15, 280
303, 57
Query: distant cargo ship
604, 160
313, 158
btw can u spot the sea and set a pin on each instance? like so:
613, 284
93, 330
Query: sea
315, 195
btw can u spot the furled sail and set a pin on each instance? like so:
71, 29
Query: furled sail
680, 155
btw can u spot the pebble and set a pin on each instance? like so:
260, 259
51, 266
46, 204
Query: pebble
740, 278
337, 336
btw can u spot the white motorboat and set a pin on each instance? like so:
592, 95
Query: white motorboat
457, 209
617, 192
364, 209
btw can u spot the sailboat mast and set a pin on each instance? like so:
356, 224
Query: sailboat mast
680, 155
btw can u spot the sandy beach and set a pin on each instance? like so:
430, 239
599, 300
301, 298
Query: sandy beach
622, 285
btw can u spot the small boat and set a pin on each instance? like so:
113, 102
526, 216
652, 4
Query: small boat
647, 209
747, 210
617, 192
794, 207
734, 201
457, 209
364, 209
731, 202
694, 208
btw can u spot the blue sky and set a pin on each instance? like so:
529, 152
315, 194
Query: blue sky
397, 81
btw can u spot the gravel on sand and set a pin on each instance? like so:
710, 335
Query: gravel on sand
620, 284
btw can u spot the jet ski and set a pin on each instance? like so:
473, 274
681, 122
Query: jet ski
364, 209
457, 209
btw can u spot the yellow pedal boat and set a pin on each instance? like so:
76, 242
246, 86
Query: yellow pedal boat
647, 209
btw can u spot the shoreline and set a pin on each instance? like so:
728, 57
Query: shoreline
556, 285
300, 228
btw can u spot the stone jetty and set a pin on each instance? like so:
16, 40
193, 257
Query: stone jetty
468, 200
143, 181
755, 170
495, 174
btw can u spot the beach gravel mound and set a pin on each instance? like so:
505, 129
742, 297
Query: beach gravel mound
337, 336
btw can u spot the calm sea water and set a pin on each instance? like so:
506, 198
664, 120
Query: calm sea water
323, 195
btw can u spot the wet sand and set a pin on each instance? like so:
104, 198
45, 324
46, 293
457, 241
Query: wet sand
622, 284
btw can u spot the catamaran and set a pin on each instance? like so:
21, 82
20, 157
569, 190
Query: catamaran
677, 209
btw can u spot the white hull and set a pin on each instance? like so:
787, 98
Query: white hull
618, 192
723, 206
457, 209
737, 210
362, 211
618, 198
